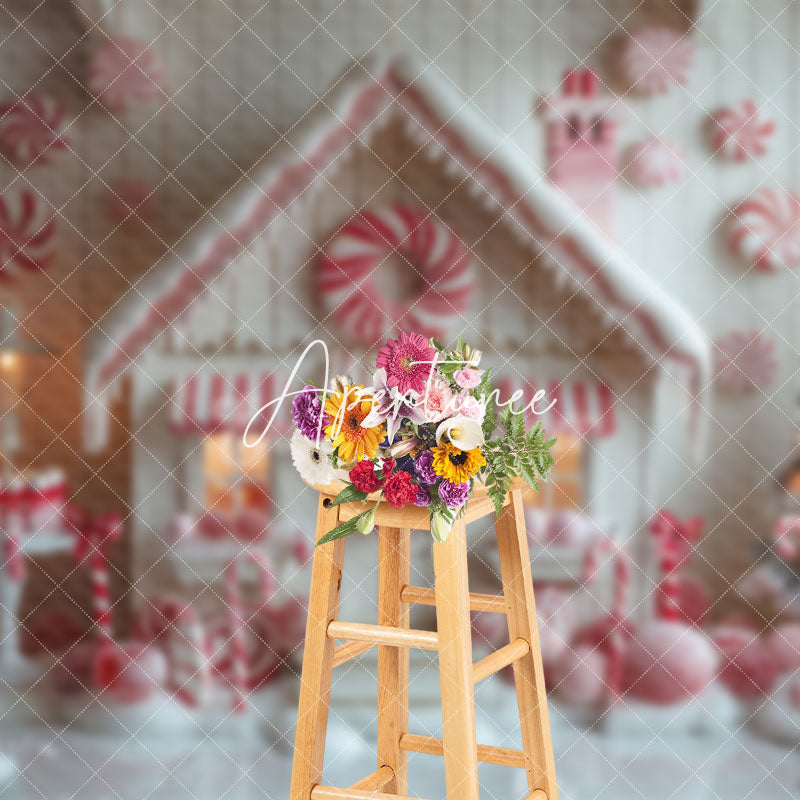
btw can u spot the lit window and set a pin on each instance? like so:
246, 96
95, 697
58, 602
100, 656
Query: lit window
236, 477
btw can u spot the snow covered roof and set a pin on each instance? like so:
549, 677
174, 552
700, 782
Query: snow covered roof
441, 119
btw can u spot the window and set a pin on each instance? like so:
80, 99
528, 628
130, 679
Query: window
236, 477
564, 488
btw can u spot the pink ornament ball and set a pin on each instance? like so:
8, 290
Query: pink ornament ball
784, 642
694, 599
73, 671
667, 662
749, 666
129, 672
579, 677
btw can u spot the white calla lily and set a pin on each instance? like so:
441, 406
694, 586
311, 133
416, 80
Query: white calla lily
462, 432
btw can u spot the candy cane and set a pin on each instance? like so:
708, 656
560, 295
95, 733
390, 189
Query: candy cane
187, 658
673, 541
619, 607
238, 641
92, 537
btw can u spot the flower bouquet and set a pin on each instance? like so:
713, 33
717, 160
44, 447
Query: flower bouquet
423, 434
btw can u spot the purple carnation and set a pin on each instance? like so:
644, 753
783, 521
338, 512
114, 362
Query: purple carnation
423, 466
307, 410
423, 496
454, 495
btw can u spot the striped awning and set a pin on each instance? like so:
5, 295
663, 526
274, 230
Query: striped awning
582, 408
210, 401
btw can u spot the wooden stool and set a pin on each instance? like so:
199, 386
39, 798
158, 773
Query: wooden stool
452, 641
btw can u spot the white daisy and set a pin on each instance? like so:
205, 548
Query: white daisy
312, 462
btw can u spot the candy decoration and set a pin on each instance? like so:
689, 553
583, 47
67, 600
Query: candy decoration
740, 132
674, 541
667, 662
124, 73
187, 658
11, 521
656, 162
129, 672
579, 677
656, 58
31, 128
765, 230
784, 642
746, 360
26, 232
359, 255
750, 668
238, 641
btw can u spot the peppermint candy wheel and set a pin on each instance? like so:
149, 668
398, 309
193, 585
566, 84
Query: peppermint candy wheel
357, 259
31, 128
745, 360
124, 73
656, 58
741, 132
765, 230
656, 162
27, 229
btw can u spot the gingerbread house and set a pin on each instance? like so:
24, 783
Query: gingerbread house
391, 205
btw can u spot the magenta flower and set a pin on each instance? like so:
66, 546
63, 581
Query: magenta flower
408, 362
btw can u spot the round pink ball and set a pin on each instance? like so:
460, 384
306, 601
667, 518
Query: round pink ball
129, 672
667, 662
784, 642
579, 677
749, 667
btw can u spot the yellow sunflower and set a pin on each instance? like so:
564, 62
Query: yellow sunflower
346, 410
457, 466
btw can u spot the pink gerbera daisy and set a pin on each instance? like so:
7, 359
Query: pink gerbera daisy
404, 360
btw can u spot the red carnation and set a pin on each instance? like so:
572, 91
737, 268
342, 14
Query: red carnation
388, 467
399, 490
364, 478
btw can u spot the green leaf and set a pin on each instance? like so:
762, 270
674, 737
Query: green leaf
348, 495
344, 529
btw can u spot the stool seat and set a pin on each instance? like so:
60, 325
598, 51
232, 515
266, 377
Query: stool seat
452, 640
479, 505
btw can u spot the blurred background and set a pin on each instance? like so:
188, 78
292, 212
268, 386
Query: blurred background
181, 184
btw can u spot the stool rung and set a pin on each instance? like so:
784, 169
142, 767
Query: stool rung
332, 793
376, 781
430, 745
501, 657
477, 602
383, 635
345, 652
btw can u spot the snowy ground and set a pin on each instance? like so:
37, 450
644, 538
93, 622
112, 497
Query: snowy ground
251, 758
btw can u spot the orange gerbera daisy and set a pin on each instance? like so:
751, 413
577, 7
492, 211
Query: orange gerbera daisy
347, 410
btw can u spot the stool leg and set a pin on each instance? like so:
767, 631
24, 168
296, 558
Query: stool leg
512, 544
315, 684
455, 665
394, 571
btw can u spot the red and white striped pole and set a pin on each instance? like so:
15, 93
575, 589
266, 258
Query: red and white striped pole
673, 542
238, 640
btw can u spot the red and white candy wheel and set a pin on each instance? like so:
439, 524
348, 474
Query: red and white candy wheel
31, 128
745, 360
657, 57
741, 132
124, 73
355, 258
765, 229
656, 162
27, 229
